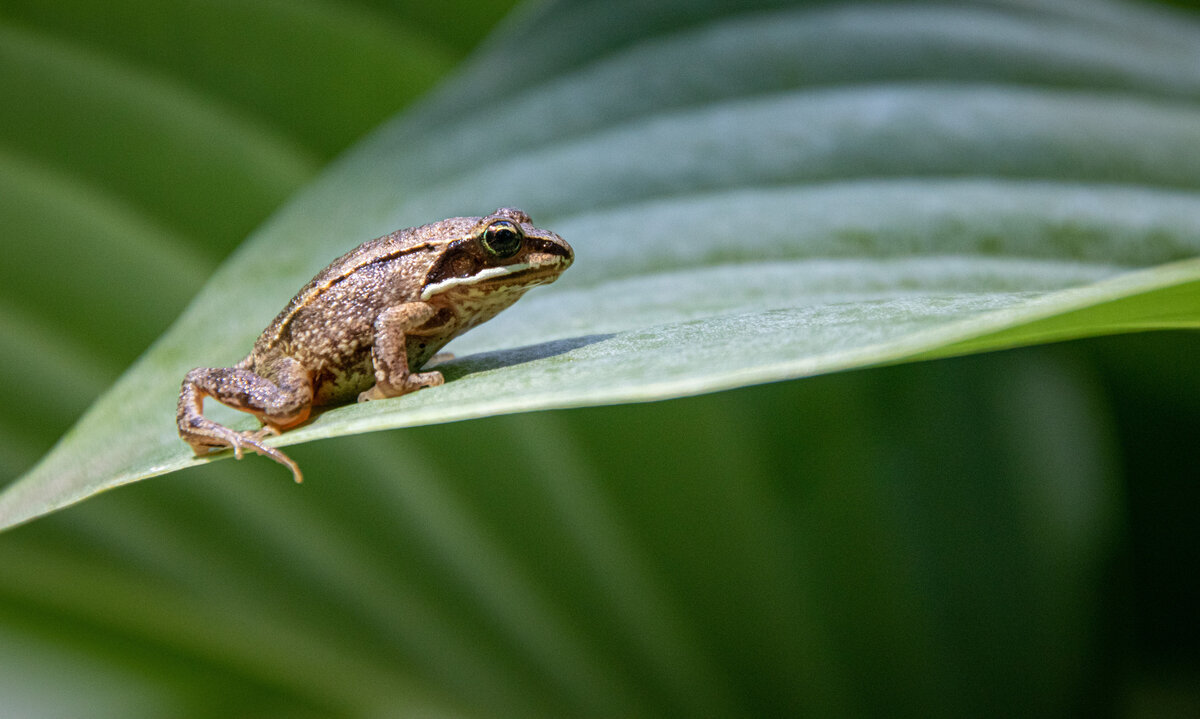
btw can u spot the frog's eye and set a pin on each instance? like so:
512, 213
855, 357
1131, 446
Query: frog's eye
502, 238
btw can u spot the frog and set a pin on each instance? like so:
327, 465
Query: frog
367, 325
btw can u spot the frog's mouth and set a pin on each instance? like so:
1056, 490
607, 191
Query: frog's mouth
539, 268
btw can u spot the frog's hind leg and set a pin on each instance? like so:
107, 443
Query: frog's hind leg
279, 405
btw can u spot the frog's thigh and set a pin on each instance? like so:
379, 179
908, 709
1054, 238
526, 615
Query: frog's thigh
390, 352
281, 404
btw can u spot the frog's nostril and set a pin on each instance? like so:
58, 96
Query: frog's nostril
555, 249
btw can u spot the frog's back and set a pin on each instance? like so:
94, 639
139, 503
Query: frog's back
377, 273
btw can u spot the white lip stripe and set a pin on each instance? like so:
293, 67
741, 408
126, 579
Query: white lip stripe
489, 273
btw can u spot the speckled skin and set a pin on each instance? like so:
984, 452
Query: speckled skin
364, 325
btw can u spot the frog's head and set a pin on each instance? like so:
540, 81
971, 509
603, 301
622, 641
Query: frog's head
502, 251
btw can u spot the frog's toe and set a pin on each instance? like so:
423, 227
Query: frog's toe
371, 394
239, 442
253, 442
426, 379
263, 432
215, 439
203, 450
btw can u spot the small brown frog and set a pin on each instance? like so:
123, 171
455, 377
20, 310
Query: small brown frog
369, 321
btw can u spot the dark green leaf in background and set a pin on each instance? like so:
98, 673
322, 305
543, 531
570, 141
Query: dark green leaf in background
522, 565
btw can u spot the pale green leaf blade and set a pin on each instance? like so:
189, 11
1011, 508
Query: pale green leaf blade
1026, 173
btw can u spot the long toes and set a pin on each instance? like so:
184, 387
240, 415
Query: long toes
253, 441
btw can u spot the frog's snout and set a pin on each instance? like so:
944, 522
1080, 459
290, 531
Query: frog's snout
550, 251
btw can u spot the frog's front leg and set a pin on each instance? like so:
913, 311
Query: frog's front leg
281, 404
390, 352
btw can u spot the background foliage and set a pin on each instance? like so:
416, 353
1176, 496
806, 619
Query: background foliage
1004, 532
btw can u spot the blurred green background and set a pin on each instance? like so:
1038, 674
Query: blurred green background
1004, 534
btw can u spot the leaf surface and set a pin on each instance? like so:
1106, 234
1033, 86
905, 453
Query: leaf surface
753, 195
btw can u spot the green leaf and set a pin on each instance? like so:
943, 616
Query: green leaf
943, 533
748, 203
141, 141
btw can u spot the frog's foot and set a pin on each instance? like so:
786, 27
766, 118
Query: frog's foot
411, 383
277, 406
253, 441
218, 437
